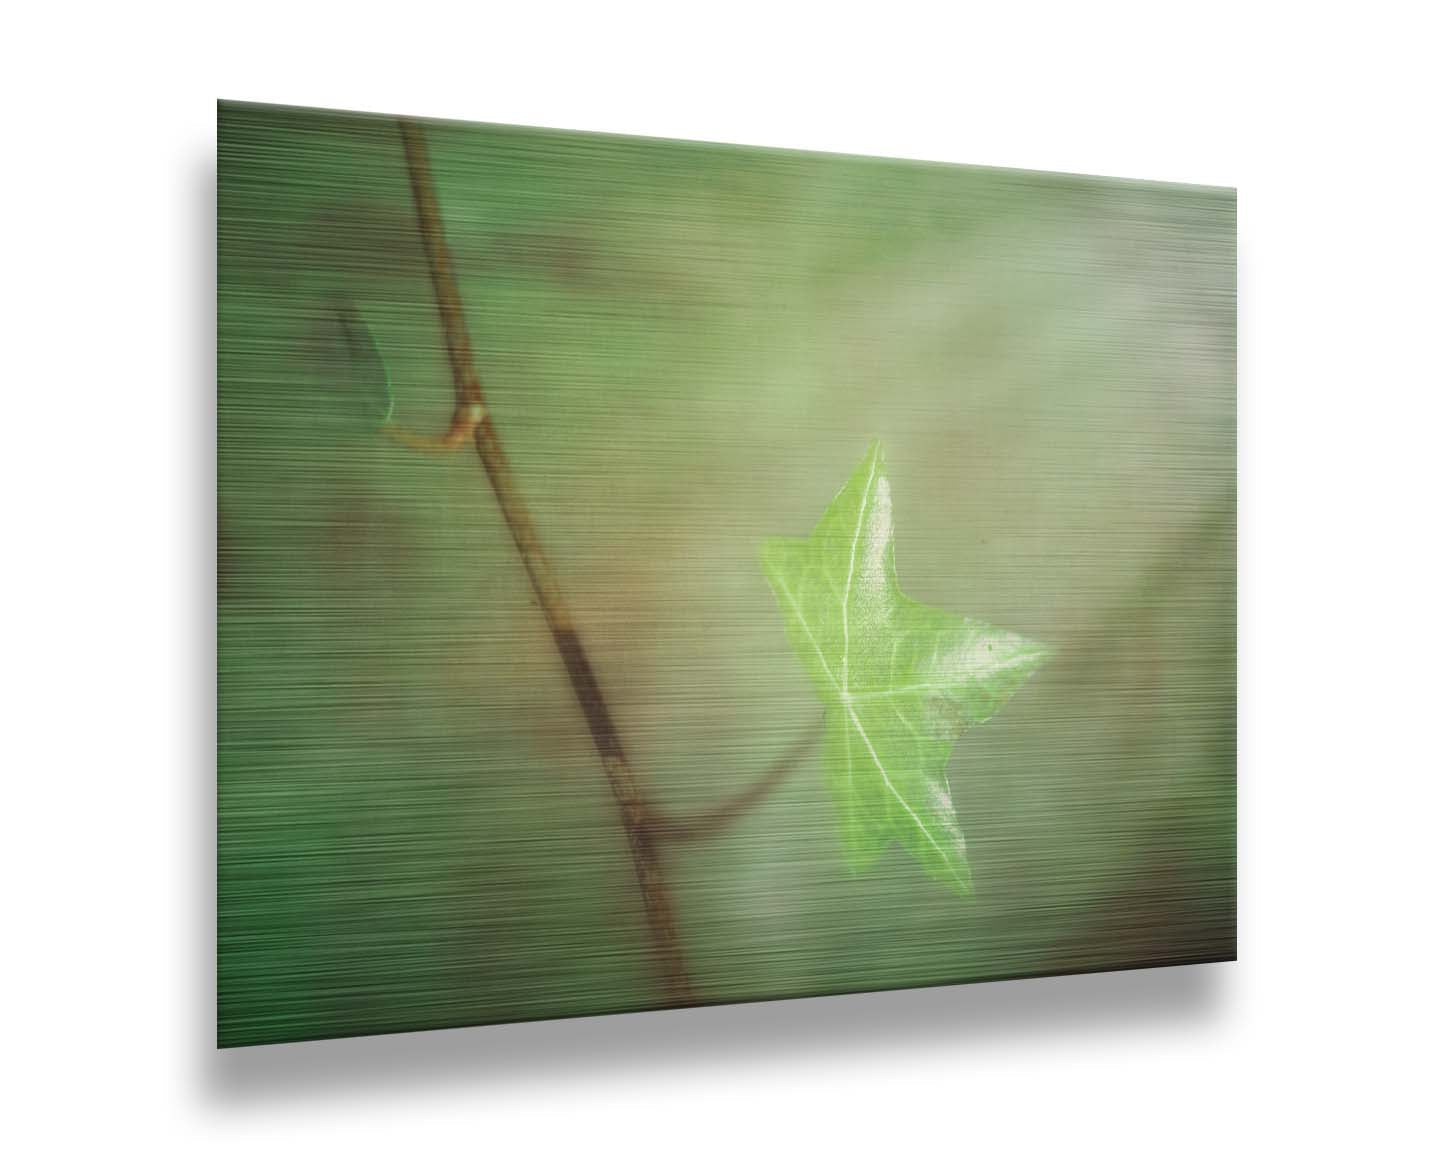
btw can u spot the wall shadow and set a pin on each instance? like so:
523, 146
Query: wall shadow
706, 1040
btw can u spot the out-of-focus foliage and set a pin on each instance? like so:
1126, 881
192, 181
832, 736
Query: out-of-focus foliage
358, 368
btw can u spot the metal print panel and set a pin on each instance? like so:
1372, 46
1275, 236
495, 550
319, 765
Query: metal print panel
658, 574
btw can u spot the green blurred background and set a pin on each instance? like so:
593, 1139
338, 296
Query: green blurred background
686, 349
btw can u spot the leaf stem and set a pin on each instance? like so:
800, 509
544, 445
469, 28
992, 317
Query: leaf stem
707, 824
472, 420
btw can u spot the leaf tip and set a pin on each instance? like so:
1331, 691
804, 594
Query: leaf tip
875, 455
1037, 654
962, 886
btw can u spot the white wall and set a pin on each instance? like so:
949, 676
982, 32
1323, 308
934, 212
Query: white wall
1322, 1033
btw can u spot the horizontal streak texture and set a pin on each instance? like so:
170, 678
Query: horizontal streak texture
685, 349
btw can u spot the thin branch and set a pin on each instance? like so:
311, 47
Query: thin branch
472, 419
706, 824
457, 437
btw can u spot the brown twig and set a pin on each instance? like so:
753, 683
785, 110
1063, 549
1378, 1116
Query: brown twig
472, 419
705, 824
459, 433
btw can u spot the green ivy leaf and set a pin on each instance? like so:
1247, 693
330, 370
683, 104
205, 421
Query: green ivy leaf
900, 680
